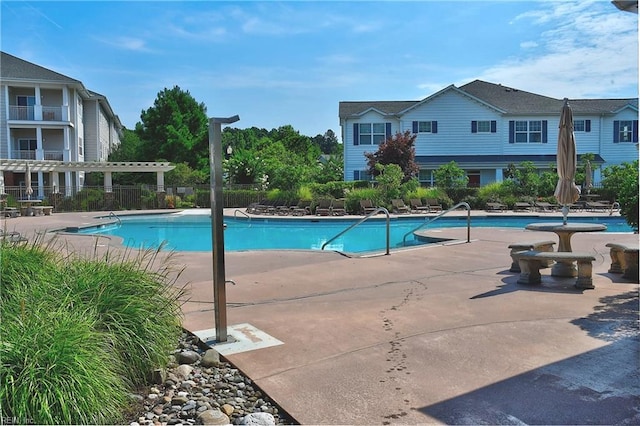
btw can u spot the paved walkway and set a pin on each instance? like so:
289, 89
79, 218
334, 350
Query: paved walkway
438, 335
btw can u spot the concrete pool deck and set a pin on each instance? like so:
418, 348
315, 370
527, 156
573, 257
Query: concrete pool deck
435, 335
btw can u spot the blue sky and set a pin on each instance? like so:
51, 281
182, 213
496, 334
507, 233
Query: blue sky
276, 63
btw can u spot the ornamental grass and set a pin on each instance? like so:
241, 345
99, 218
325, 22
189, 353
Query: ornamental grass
79, 334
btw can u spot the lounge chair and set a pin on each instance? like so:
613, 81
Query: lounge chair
545, 206
433, 204
323, 208
302, 208
367, 207
417, 206
597, 206
399, 206
337, 208
522, 206
495, 207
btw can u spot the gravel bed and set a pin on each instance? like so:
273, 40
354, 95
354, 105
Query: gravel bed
200, 388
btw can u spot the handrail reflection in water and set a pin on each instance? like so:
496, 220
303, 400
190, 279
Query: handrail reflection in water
376, 211
461, 204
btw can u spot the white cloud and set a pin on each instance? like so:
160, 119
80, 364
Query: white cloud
125, 43
589, 50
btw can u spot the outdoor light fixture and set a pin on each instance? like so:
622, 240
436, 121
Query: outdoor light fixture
217, 224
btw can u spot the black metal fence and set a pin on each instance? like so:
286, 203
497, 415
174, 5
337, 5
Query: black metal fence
96, 198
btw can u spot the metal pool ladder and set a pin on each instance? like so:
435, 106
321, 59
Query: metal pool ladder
112, 214
425, 223
375, 212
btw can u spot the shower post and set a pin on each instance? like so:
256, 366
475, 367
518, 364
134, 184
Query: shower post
217, 224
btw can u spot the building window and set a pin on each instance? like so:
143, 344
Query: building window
484, 126
624, 131
80, 147
27, 149
426, 176
25, 106
533, 131
424, 127
371, 133
578, 125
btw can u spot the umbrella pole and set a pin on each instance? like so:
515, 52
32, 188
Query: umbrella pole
565, 213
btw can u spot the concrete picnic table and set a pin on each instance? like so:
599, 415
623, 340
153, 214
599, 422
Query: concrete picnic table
565, 232
25, 206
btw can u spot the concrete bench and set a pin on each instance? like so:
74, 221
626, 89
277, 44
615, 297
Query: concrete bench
532, 261
534, 245
11, 212
624, 260
47, 210
37, 210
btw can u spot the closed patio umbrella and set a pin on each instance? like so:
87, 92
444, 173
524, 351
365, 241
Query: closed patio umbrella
27, 181
566, 192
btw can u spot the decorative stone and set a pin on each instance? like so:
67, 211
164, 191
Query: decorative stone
187, 357
214, 417
183, 371
211, 358
258, 419
227, 409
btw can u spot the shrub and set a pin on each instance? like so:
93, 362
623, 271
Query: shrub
79, 334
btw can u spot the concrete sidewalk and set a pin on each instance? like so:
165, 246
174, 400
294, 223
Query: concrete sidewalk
428, 335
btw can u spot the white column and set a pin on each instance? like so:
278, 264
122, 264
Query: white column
55, 181
66, 151
108, 185
160, 181
40, 144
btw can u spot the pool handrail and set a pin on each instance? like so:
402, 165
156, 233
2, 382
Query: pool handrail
426, 222
112, 214
375, 212
236, 211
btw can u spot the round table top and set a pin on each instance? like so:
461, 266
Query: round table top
35, 200
569, 227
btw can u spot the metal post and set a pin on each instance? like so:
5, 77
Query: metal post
217, 224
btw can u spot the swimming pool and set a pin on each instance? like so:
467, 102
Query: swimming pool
192, 232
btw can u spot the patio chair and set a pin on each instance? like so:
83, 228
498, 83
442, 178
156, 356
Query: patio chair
323, 208
399, 206
367, 206
522, 206
433, 204
545, 206
302, 208
417, 206
597, 206
495, 206
337, 207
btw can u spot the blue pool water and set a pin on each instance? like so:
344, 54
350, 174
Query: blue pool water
193, 232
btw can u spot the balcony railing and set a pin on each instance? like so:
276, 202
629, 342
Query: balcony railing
31, 155
53, 155
35, 113
24, 155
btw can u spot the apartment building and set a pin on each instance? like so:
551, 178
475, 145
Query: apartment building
54, 123
484, 127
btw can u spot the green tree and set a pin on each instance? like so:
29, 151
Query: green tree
328, 143
398, 149
623, 180
175, 129
130, 149
244, 167
450, 176
389, 180
183, 175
